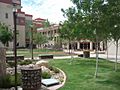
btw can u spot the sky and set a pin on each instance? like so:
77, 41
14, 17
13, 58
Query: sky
46, 9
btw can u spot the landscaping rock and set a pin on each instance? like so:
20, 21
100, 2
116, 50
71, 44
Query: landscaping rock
42, 63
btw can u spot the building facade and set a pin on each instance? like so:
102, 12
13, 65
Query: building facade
6, 17
52, 33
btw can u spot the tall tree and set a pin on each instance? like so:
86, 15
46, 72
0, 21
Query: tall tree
112, 12
89, 19
5, 34
40, 39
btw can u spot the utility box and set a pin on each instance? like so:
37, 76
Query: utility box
86, 54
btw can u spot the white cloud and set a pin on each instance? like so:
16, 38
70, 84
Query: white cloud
47, 9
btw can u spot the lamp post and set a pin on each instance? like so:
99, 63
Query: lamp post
16, 5
31, 41
15, 51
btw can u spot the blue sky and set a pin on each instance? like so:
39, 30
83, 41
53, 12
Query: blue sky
46, 9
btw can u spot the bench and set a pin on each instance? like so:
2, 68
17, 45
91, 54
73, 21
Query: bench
80, 55
45, 56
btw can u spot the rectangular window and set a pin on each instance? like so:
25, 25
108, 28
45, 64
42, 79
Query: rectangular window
6, 15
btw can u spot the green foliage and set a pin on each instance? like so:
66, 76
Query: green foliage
25, 62
46, 23
5, 81
11, 64
12, 78
40, 39
46, 75
56, 70
53, 69
5, 34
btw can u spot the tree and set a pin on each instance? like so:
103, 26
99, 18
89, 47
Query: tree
40, 39
69, 30
88, 20
5, 34
112, 12
46, 24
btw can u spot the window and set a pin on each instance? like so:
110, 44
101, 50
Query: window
6, 15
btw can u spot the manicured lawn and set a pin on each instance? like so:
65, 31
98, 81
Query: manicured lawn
36, 52
80, 74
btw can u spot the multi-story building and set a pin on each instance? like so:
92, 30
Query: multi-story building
52, 33
6, 16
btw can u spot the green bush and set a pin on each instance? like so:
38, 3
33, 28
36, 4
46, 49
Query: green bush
46, 75
11, 64
25, 62
12, 78
8, 81
50, 67
5, 81
56, 70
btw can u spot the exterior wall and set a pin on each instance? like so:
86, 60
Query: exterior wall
21, 36
21, 29
51, 32
6, 8
28, 22
6, 1
112, 48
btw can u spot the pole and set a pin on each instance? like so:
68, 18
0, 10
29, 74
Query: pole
15, 53
32, 43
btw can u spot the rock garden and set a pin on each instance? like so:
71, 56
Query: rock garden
50, 76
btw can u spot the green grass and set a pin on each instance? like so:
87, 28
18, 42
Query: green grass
36, 52
80, 74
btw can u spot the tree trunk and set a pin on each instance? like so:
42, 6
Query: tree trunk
116, 55
107, 49
69, 46
96, 71
2, 62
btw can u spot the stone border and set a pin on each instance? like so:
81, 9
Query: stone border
59, 85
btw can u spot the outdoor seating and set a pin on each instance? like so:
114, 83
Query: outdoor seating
46, 56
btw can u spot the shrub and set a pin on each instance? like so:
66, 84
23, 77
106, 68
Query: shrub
12, 78
56, 70
11, 64
25, 62
50, 67
46, 75
8, 81
5, 81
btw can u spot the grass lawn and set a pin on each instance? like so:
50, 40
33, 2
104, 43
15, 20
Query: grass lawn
80, 74
36, 52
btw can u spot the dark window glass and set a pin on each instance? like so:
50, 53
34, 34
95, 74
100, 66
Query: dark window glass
6, 15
